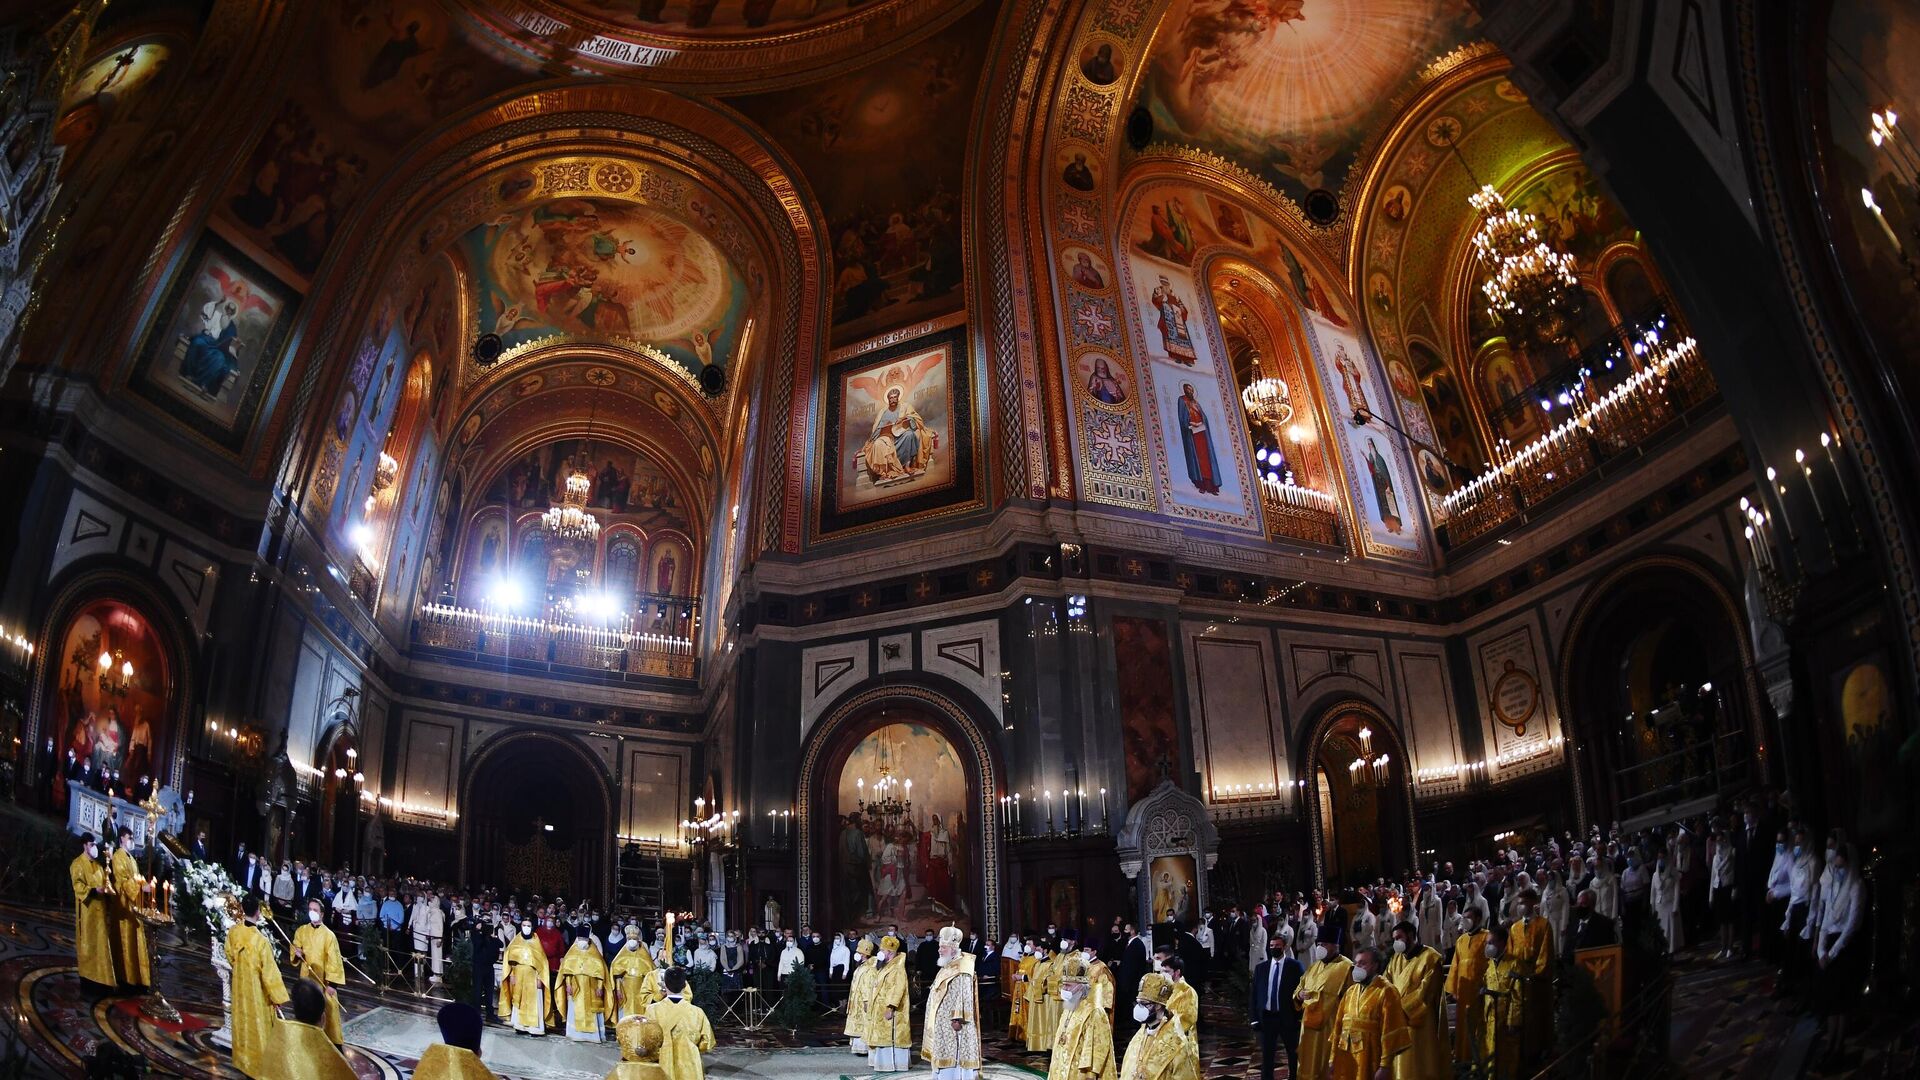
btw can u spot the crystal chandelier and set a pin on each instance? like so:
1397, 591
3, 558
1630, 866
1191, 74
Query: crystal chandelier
1530, 288
385, 471
569, 521
1266, 400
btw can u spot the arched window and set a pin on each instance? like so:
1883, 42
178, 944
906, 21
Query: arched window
623, 565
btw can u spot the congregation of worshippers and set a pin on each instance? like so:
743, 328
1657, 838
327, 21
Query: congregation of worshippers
1454, 968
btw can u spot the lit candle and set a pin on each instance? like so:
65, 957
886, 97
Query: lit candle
1103, 804
1806, 473
1827, 443
1866, 198
1049, 795
1781, 489
1753, 549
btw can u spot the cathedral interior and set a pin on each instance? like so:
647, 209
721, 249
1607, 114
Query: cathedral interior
994, 463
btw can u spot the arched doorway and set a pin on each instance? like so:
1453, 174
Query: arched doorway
536, 817
1360, 802
1656, 681
921, 857
341, 783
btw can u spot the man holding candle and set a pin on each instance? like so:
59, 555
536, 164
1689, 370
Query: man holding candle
92, 931
131, 962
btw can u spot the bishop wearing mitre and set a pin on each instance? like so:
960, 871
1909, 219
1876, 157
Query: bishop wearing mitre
92, 929
889, 1034
685, 1032
859, 996
524, 1001
628, 977
316, 954
1083, 1043
257, 992
582, 992
1160, 1049
951, 1039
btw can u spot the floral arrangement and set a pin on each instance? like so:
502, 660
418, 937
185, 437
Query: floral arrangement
210, 900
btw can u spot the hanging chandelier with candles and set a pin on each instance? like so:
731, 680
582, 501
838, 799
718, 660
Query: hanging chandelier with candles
1530, 287
569, 521
1368, 770
1266, 400
889, 801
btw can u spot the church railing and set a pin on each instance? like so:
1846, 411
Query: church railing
560, 647
1300, 513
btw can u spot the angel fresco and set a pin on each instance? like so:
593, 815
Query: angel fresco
212, 351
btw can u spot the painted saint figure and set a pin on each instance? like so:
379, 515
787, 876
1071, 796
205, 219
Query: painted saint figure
1351, 382
899, 447
1196, 441
1174, 338
1386, 500
1103, 386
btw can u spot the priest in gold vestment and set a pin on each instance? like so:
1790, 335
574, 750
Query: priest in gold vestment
1185, 1003
525, 992
639, 1040
457, 1055
1083, 1045
1099, 979
1503, 1015
581, 990
1414, 973
685, 1033
1317, 998
301, 1049
1370, 1030
1463, 986
1530, 943
316, 956
889, 1032
859, 997
1159, 1050
1017, 990
1043, 999
257, 992
951, 1038
130, 959
92, 922
627, 978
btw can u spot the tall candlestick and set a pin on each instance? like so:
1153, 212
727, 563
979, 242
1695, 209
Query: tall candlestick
1780, 489
1103, 807
1049, 810
1082, 793
1826, 443
1806, 473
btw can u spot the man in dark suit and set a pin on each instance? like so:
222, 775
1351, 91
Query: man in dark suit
1134, 962
1270, 1006
1590, 931
1752, 859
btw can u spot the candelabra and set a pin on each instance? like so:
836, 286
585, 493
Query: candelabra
1368, 770
116, 673
569, 521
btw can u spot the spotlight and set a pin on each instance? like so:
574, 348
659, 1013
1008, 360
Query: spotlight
505, 593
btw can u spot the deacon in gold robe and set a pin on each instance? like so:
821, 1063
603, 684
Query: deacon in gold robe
951, 1032
1414, 973
581, 990
301, 1049
859, 997
257, 992
639, 1040
1370, 1030
1083, 1045
1099, 979
685, 1033
627, 977
1159, 1050
1185, 1003
1503, 1017
1318, 998
130, 959
92, 919
525, 999
889, 1031
316, 956
1017, 989
1043, 1010
457, 1055
1530, 943
1463, 986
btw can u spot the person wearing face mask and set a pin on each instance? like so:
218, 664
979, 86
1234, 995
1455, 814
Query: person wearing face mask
1839, 956
859, 997
627, 976
1025, 963
1665, 897
889, 1031
316, 956
525, 994
1369, 1027
1099, 979
1464, 979
1270, 1007
485, 947
1414, 972
1083, 1046
1779, 887
792, 957
1185, 1003
257, 992
685, 1032
131, 961
951, 1023
92, 922
1502, 1016
1721, 889
1159, 1050
1043, 998
1803, 881
1316, 998
1530, 943
580, 988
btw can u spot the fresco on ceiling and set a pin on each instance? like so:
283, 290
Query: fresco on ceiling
603, 267
215, 346
895, 229
376, 74
899, 434
106, 107
1575, 214
1292, 89
715, 16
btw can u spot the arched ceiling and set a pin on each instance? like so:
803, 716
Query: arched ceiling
727, 46
1295, 91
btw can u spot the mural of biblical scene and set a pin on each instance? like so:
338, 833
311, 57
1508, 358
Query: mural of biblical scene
899, 436
603, 267
1173, 890
1086, 269
1143, 687
1077, 169
377, 73
111, 716
900, 853
362, 420
106, 103
1574, 214
410, 555
1291, 88
487, 556
215, 345
430, 316
895, 231
1380, 477
1442, 398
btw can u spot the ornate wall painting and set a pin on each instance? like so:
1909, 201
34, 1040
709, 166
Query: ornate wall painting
911, 868
1293, 89
103, 716
214, 347
898, 440
1862, 698
1173, 889
361, 423
107, 104
487, 554
1519, 713
1143, 689
1381, 481
896, 231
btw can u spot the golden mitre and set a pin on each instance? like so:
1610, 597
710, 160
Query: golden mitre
1154, 987
639, 1039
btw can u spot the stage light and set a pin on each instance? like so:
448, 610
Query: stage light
505, 593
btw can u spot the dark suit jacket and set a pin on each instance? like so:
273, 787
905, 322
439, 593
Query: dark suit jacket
1134, 962
1593, 934
1287, 1017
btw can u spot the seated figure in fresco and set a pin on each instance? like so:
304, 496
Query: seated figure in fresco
900, 446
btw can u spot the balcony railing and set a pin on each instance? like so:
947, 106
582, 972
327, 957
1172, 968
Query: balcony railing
1300, 513
559, 646
1615, 400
